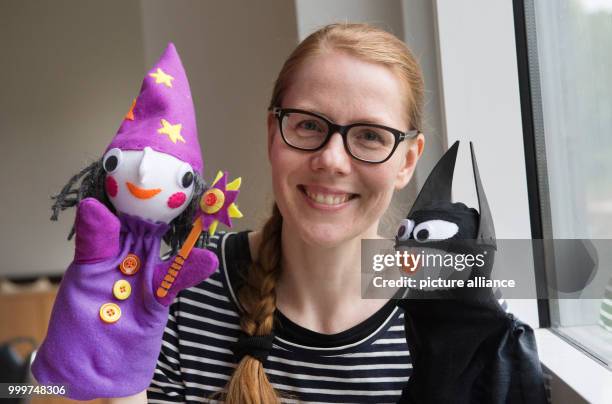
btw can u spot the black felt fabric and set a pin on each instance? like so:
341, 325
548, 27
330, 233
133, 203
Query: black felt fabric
470, 351
465, 218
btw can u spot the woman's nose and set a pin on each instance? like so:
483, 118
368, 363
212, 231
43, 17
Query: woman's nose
333, 157
143, 167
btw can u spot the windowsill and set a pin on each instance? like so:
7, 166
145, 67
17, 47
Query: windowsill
587, 377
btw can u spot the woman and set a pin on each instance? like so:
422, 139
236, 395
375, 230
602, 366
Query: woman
296, 283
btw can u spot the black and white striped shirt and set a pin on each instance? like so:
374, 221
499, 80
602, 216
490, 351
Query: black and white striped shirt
368, 363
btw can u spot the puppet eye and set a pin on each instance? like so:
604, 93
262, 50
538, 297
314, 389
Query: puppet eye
185, 175
434, 230
112, 160
405, 229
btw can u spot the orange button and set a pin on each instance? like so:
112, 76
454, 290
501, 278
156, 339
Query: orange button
110, 313
130, 264
122, 289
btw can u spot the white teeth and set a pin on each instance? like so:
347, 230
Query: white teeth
327, 199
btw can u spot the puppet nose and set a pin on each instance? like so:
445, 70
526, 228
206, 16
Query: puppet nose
144, 168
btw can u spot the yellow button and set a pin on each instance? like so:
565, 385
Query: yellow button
110, 313
122, 289
130, 264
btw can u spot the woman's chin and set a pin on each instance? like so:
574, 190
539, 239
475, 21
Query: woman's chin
325, 235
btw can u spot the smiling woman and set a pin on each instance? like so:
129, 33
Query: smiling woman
283, 316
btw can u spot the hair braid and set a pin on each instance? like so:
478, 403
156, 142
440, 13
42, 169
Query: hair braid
249, 383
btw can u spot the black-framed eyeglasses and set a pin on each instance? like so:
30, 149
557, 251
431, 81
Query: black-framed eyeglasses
367, 142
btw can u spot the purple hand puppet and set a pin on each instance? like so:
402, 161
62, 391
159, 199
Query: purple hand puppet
107, 323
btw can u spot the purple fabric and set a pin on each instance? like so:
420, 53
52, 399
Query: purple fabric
157, 101
97, 232
199, 265
96, 359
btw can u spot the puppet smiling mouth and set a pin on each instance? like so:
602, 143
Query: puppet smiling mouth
142, 193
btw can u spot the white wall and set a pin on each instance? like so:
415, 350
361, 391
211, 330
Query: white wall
482, 104
421, 34
313, 14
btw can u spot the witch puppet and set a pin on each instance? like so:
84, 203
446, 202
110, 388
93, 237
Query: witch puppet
112, 305
464, 346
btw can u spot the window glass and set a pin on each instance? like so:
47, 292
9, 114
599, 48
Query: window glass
574, 67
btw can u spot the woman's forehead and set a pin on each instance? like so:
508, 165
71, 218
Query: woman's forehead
344, 87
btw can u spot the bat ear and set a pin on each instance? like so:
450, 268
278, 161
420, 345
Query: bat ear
439, 184
486, 230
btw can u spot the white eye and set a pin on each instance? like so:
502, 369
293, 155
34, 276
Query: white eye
112, 160
434, 230
184, 175
404, 229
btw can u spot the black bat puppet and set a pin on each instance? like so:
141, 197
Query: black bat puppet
465, 348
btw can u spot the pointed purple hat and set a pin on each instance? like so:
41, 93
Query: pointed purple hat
163, 117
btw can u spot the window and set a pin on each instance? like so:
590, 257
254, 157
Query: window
565, 69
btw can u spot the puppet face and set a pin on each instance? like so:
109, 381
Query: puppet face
326, 197
443, 221
443, 229
148, 184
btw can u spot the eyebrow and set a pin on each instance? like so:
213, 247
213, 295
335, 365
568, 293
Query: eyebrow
313, 110
370, 120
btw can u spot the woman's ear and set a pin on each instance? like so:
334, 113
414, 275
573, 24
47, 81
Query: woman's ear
271, 131
409, 161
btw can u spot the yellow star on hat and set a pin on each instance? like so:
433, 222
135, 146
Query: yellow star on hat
162, 77
172, 131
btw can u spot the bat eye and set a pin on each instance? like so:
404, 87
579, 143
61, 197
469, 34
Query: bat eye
434, 230
405, 229
185, 176
112, 160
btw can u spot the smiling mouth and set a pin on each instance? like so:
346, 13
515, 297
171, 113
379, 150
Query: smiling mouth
324, 198
142, 193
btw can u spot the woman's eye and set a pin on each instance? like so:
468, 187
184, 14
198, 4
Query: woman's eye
371, 138
405, 229
434, 230
185, 176
310, 126
112, 160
